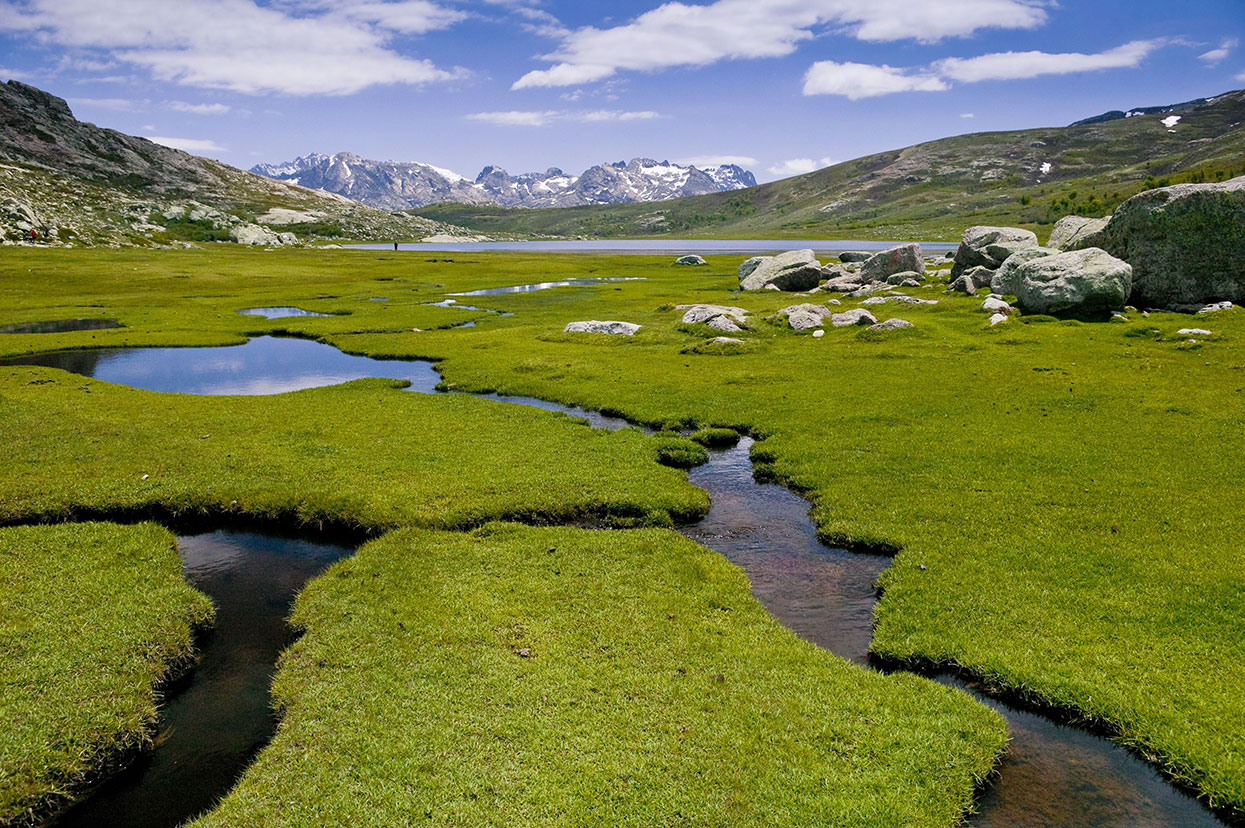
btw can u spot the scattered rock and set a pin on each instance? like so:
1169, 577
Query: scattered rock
794, 270
989, 247
980, 276
962, 284
803, 317
725, 324
820, 332
854, 256
1186, 243
906, 300
909, 283
998, 319
1194, 332
690, 261
1070, 230
903, 258
1217, 306
593, 326
891, 325
995, 305
904, 276
858, 316
1087, 282
1004, 279
723, 340
698, 314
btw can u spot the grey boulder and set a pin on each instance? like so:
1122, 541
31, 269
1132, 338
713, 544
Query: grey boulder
803, 317
1186, 243
1069, 231
794, 270
859, 316
697, 314
854, 256
595, 327
254, 234
891, 325
903, 258
989, 247
690, 261
1084, 283
1003, 281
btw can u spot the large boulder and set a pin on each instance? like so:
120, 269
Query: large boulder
854, 256
719, 317
803, 317
1003, 280
595, 327
254, 234
1186, 243
859, 316
1085, 283
791, 271
899, 259
989, 247
1069, 231
690, 260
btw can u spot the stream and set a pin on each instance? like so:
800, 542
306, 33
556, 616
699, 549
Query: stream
1054, 776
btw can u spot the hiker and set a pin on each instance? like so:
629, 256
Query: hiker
34, 234
395, 247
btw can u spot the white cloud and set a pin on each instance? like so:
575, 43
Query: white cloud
1215, 56
187, 144
703, 161
540, 118
860, 80
966, 115
110, 104
1016, 65
329, 48
1239, 77
681, 34
197, 109
798, 166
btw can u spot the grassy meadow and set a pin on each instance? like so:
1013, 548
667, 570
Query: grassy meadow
1066, 501
92, 616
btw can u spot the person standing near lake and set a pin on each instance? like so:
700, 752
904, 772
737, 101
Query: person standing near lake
395, 247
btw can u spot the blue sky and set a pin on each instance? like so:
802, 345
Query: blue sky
780, 86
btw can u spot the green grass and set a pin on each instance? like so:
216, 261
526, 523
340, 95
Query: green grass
560, 677
92, 616
1067, 497
363, 454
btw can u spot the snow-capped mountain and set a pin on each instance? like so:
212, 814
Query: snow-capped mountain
396, 185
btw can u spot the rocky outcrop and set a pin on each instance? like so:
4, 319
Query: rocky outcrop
1070, 231
1186, 243
903, 258
989, 247
1082, 283
1003, 281
258, 235
794, 270
594, 327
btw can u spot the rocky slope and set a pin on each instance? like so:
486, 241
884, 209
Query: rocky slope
1028, 178
74, 182
397, 185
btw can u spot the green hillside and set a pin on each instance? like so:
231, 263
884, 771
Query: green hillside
931, 190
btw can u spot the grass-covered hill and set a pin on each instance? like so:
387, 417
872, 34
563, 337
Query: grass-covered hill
100, 186
932, 190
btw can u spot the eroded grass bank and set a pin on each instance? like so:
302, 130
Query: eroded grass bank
557, 677
92, 616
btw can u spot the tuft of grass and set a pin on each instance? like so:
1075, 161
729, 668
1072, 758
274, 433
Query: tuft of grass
679, 452
715, 437
558, 677
93, 616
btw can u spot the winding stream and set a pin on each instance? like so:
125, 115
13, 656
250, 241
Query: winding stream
1054, 776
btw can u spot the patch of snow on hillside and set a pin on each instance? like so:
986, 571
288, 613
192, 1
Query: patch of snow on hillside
450, 174
1046, 168
1170, 121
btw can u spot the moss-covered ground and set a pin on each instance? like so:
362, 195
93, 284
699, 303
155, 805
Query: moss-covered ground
1067, 497
92, 616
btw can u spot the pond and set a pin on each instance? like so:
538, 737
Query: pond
280, 312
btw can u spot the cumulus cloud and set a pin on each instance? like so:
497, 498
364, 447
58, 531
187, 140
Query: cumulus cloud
1015, 65
187, 144
110, 104
798, 166
682, 34
1216, 56
197, 109
317, 48
540, 118
861, 80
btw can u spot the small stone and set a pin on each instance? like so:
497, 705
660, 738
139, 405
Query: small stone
523, 652
998, 319
819, 333
995, 305
859, 316
891, 325
1194, 332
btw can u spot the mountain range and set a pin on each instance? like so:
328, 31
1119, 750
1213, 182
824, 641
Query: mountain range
399, 185
74, 182
1028, 178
